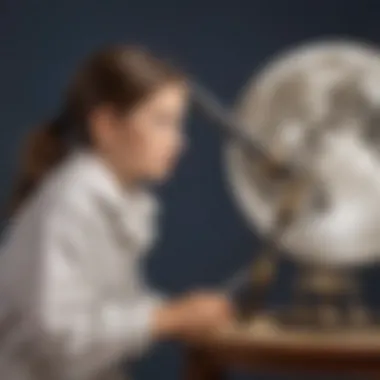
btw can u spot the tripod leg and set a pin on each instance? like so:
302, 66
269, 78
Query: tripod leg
358, 314
261, 279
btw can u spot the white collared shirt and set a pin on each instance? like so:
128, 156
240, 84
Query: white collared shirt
72, 302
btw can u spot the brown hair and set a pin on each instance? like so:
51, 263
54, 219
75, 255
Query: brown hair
121, 76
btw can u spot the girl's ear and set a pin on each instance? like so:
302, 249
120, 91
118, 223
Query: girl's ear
103, 126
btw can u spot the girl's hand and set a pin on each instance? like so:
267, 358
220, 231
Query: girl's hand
193, 315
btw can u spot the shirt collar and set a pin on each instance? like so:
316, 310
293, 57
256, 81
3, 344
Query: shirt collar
134, 212
101, 181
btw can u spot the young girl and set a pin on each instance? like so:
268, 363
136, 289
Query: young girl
72, 303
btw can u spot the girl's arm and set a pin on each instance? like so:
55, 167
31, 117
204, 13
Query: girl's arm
88, 331
85, 333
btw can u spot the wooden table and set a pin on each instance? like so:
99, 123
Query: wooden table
261, 346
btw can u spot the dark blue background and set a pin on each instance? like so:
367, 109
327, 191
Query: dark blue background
222, 42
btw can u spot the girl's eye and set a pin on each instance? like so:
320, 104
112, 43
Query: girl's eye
171, 121
163, 119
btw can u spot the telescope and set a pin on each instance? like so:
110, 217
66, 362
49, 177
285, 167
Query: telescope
302, 158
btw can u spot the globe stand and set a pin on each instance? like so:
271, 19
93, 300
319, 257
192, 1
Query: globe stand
327, 298
324, 297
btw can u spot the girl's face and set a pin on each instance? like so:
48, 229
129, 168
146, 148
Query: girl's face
146, 143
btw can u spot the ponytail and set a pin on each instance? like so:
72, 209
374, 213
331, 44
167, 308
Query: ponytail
44, 150
118, 76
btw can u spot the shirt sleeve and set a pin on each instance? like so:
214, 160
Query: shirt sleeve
87, 331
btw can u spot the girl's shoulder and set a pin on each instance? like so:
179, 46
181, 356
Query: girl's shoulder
66, 192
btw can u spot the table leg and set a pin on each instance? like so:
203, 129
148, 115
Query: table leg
199, 367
